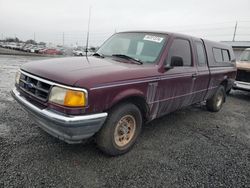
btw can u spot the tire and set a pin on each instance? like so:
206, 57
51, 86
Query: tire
121, 129
228, 91
214, 104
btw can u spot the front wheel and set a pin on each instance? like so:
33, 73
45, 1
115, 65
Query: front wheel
214, 104
121, 129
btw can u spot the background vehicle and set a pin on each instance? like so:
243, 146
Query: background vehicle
78, 52
27, 47
51, 51
133, 78
243, 72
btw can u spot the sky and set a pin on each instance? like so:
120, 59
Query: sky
66, 21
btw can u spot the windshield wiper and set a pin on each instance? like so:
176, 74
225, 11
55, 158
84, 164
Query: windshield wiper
98, 55
128, 57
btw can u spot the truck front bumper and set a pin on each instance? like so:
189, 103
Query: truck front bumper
241, 85
71, 129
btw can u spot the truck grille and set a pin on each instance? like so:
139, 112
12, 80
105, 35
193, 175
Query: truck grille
243, 75
34, 87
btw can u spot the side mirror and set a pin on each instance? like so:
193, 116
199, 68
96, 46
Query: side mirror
168, 67
176, 61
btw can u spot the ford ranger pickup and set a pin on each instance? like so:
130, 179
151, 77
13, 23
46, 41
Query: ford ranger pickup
133, 78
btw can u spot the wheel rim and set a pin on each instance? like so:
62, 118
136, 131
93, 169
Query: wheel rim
124, 130
219, 100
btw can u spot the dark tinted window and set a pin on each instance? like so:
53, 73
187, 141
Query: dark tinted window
201, 53
217, 55
181, 48
225, 55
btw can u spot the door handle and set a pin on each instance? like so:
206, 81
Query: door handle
194, 76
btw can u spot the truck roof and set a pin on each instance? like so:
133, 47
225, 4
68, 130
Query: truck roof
213, 43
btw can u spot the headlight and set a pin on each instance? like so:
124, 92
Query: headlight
18, 74
67, 97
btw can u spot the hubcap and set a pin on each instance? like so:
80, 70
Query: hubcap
219, 100
124, 130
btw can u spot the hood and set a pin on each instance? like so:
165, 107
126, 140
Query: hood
87, 73
243, 65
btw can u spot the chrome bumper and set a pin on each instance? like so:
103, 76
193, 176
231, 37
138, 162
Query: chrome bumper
71, 129
241, 85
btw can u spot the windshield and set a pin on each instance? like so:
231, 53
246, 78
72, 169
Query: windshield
245, 56
145, 47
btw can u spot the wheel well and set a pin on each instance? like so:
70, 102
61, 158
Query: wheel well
140, 102
225, 84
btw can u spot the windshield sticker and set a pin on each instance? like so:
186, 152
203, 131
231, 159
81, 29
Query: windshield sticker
153, 38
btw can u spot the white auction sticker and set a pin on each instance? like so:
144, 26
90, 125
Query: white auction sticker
153, 38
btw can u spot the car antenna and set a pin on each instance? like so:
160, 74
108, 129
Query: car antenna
87, 42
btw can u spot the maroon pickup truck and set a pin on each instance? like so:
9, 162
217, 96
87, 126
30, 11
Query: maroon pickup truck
133, 78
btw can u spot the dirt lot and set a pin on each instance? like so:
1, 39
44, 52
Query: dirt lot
188, 148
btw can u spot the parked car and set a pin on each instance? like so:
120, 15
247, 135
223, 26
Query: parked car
19, 46
51, 51
78, 52
133, 78
32, 49
41, 51
27, 47
243, 72
11, 45
39, 48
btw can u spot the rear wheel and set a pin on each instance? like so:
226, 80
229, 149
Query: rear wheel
121, 129
215, 103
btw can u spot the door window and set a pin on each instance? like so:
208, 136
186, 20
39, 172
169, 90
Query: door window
181, 48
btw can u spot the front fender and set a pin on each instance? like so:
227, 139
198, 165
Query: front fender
125, 94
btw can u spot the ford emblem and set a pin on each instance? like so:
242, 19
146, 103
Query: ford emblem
30, 85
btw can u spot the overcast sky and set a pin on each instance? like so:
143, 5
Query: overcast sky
47, 20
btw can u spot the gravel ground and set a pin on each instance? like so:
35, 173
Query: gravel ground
189, 148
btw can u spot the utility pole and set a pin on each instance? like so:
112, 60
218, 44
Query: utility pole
235, 29
87, 42
63, 39
34, 36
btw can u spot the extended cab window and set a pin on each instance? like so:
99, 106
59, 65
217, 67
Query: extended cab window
217, 55
225, 54
181, 48
200, 53
221, 55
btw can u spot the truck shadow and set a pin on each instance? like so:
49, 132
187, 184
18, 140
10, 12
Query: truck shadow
179, 122
243, 95
174, 126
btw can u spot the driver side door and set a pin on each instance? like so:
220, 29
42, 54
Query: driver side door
177, 83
